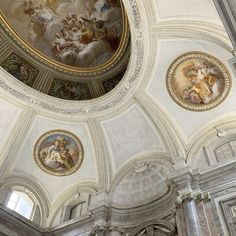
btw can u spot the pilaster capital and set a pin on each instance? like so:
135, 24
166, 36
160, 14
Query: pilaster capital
185, 179
110, 227
97, 230
196, 197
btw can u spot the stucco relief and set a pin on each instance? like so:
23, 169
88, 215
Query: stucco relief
198, 81
58, 152
141, 183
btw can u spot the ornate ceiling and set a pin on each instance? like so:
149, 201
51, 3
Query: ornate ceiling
82, 45
132, 135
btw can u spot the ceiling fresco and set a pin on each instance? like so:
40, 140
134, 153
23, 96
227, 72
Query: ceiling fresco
79, 34
58, 152
198, 81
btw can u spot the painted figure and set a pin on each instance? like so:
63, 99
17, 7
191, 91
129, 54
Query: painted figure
58, 155
83, 33
204, 82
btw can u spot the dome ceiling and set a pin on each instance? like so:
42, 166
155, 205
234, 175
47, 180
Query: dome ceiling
84, 44
138, 117
144, 181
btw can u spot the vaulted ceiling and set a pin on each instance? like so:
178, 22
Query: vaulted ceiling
132, 134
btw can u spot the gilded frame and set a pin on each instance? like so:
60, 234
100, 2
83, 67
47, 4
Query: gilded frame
66, 68
51, 135
200, 57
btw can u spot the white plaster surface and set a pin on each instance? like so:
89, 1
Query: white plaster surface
129, 134
188, 121
8, 117
56, 185
187, 8
137, 187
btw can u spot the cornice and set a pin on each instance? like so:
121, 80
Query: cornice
99, 105
208, 134
16, 218
194, 29
218, 172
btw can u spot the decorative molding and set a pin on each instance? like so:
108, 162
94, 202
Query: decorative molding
194, 70
168, 226
104, 168
207, 137
38, 192
216, 173
226, 10
68, 195
106, 228
159, 160
192, 29
8, 156
174, 144
197, 197
53, 63
103, 104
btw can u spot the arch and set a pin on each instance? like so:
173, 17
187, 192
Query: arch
22, 203
208, 137
68, 198
40, 101
164, 226
146, 165
33, 190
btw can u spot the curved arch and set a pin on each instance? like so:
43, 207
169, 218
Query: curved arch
35, 99
170, 134
161, 223
36, 192
68, 196
146, 160
193, 29
208, 135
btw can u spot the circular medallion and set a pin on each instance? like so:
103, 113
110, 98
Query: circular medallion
198, 81
58, 152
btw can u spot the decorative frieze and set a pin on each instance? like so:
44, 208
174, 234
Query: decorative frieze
104, 229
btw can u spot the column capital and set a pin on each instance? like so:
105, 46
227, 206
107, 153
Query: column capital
110, 227
97, 230
196, 197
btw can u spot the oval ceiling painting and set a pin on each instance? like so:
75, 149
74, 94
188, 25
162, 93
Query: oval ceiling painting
81, 34
58, 152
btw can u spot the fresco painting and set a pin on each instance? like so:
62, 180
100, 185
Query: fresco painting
77, 33
58, 152
70, 90
198, 81
20, 69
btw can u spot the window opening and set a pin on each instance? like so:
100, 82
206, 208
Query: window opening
20, 203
